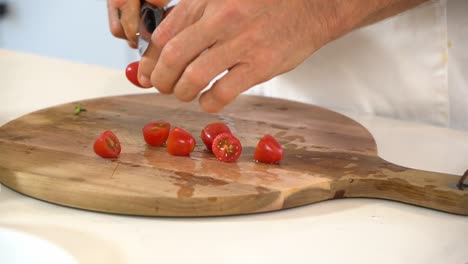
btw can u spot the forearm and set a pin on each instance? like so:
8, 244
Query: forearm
353, 14
391, 10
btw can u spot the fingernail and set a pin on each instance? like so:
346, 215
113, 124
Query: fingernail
145, 81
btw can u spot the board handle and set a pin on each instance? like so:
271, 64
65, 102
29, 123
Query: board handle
440, 191
461, 183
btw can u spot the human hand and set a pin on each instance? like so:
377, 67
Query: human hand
124, 18
254, 40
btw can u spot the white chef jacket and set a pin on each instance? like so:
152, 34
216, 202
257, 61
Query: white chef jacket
413, 66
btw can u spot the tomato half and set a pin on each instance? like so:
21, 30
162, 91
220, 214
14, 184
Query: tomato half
132, 73
180, 142
107, 145
209, 133
156, 133
268, 150
226, 147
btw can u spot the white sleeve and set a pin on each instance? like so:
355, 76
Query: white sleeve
396, 68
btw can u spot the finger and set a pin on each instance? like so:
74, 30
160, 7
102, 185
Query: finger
114, 22
183, 15
238, 80
118, 3
159, 3
204, 69
130, 19
132, 45
146, 66
179, 53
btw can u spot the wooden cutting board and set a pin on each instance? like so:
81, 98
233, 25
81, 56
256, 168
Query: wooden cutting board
49, 155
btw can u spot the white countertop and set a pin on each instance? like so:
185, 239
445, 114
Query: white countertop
347, 230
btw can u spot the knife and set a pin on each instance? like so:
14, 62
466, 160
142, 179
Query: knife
150, 18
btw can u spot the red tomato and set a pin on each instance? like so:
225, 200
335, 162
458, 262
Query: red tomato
132, 73
210, 132
268, 150
227, 147
180, 142
107, 145
156, 133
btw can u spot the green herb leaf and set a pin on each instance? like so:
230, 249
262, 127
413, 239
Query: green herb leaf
79, 108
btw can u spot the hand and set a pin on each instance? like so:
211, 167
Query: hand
124, 17
254, 40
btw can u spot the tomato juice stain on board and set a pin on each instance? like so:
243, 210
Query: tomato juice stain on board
187, 183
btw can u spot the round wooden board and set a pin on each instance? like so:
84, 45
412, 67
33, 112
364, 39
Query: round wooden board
49, 155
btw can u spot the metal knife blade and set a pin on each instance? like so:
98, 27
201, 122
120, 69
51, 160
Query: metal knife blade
150, 18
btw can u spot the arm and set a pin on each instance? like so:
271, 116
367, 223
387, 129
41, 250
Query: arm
390, 10
354, 14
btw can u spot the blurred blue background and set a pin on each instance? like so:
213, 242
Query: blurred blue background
73, 30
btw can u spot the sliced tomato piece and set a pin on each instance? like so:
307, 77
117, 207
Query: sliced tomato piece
268, 150
210, 132
132, 73
226, 147
107, 145
180, 142
156, 133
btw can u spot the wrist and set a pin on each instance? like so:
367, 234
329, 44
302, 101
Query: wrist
345, 16
353, 14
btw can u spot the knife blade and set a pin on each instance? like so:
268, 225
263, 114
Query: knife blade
150, 18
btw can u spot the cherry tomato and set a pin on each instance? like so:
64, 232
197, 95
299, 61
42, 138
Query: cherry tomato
132, 73
180, 142
156, 133
268, 150
210, 132
107, 145
226, 147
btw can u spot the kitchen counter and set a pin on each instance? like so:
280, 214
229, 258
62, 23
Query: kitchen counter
346, 230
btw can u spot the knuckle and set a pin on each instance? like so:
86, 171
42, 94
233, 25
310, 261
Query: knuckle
209, 108
194, 77
160, 86
221, 97
229, 14
184, 95
161, 36
162, 90
233, 9
171, 54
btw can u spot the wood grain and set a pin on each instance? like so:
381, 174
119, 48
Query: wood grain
48, 155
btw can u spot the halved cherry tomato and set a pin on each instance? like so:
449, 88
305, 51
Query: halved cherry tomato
180, 142
268, 150
156, 133
226, 147
107, 145
132, 73
210, 132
